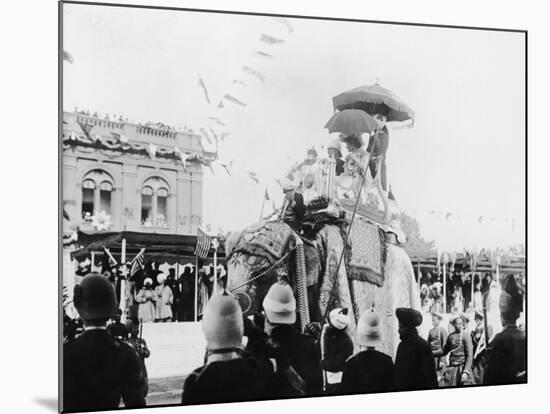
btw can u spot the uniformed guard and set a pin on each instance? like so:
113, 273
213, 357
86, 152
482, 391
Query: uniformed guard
479, 346
506, 359
369, 370
414, 362
297, 355
227, 375
336, 348
437, 337
99, 370
459, 348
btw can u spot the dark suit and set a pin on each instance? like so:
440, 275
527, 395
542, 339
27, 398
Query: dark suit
235, 380
506, 359
368, 371
99, 370
414, 364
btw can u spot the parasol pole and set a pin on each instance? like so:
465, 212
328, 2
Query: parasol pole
196, 287
215, 245
472, 304
358, 197
92, 268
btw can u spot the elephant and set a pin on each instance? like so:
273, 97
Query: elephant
265, 245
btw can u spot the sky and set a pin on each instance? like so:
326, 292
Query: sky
464, 156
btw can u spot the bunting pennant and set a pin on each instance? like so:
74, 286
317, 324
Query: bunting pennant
266, 195
261, 54
227, 167
205, 134
68, 57
231, 98
152, 150
270, 40
220, 104
217, 120
254, 72
120, 137
239, 82
224, 135
87, 128
203, 86
286, 22
253, 177
214, 135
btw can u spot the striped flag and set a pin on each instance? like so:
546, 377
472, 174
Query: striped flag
253, 177
205, 134
136, 263
203, 244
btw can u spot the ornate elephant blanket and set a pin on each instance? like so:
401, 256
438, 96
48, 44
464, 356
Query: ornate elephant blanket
265, 239
368, 252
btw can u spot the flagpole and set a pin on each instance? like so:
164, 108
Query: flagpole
122, 304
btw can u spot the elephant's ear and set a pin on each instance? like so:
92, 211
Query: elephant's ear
231, 242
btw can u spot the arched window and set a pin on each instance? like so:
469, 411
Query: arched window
97, 194
154, 203
147, 206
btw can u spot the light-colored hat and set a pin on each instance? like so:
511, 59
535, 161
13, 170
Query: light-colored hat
338, 318
161, 277
279, 304
222, 323
148, 281
437, 315
368, 329
335, 144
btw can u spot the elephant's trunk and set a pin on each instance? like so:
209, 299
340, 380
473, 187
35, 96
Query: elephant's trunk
301, 283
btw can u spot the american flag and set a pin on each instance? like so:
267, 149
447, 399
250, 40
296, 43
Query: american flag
203, 244
136, 263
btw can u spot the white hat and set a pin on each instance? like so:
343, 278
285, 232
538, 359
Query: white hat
161, 277
338, 319
335, 144
368, 328
222, 323
279, 304
148, 281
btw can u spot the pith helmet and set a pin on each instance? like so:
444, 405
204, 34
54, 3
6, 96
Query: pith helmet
279, 304
222, 323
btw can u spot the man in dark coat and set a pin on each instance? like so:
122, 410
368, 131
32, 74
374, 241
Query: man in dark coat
297, 355
227, 375
369, 370
479, 347
414, 361
378, 147
336, 348
506, 359
99, 370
